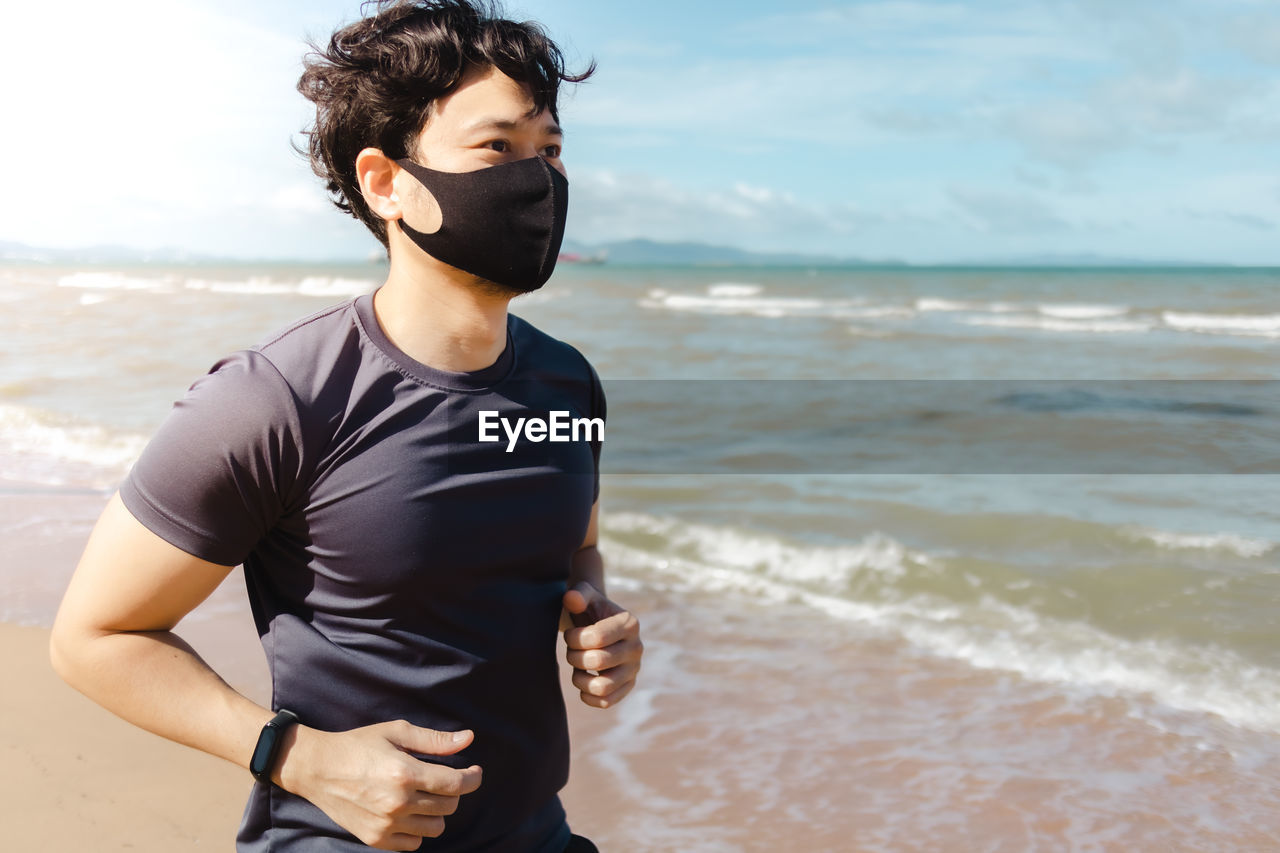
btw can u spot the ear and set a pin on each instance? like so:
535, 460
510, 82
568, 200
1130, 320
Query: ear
377, 175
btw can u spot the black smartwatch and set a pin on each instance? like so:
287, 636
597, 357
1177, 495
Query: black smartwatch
268, 747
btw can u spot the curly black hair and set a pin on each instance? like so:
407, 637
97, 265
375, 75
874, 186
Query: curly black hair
376, 82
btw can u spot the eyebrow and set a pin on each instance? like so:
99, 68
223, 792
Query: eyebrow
552, 129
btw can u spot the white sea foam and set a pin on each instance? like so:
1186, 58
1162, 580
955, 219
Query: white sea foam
1242, 546
729, 298
927, 303
258, 285
733, 288
1073, 311
96, 280
328, 286
535, 297
43, 447
1054, 324
986, 633
1262, 325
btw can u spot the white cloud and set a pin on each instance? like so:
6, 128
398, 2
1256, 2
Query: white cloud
608, 206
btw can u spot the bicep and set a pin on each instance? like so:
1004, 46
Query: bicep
130, 579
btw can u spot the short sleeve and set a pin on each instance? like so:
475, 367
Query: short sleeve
599, 409
217, 475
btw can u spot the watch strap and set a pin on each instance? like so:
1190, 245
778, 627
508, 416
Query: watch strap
267, 748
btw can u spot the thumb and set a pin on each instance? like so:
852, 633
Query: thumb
425, 741
578, 599
584, 603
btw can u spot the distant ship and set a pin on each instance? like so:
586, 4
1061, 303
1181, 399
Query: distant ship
577, 258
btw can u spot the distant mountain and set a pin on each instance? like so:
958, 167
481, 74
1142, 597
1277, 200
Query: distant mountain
652, 252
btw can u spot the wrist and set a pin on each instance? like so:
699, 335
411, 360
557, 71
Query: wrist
293, 760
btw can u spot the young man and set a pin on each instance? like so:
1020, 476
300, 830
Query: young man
407, 577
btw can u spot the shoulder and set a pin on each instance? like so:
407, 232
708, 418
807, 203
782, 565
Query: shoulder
312, 345
543, 355
283, 385
556, 364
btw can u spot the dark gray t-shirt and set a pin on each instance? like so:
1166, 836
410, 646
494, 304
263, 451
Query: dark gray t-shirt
398, 567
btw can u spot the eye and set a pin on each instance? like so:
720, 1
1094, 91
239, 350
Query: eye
551, 152
497, 144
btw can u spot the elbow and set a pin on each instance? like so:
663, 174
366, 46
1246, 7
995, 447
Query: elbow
66, 649
59, 657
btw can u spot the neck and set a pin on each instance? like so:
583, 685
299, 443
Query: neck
438, 315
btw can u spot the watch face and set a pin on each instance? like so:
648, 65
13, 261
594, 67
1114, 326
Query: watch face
262, 752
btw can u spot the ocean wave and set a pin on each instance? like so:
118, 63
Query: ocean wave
1074, 311
1057, 324
99, 280
1263, 325
335, 286
1241, 546
733, 288
873, 584
43, 447
729, 298
927, 303
252, 286
327, 287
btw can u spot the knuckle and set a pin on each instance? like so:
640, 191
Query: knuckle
380, 833
448, 805
433, 826
399, 776
450, 786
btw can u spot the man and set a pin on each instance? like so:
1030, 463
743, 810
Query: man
406, 576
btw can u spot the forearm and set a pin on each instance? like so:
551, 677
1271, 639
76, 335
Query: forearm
156, 681
587, 565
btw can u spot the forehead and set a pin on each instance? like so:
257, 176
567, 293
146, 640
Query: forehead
488, 99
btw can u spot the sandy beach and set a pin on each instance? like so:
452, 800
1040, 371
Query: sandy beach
77, 777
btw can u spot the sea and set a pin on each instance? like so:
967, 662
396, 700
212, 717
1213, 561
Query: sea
926, 558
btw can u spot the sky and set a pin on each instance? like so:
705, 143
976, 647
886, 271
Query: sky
926, 131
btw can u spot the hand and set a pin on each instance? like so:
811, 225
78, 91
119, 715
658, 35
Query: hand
366, 780
604, 649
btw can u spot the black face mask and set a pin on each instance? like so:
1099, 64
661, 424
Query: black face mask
502, 223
